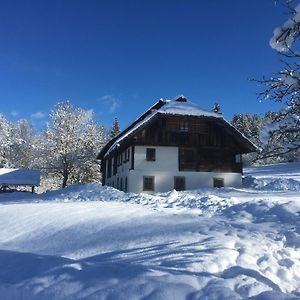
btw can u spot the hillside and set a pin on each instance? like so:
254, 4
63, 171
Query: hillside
93, 242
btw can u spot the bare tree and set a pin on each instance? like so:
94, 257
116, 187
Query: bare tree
284, 87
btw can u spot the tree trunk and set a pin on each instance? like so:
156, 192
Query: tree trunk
65, 172
65, 179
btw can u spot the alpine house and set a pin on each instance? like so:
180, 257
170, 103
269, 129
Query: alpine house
175, 145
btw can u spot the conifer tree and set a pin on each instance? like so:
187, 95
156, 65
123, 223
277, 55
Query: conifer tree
216, 108
115, 128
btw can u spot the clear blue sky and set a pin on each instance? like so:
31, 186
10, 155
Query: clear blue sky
119, 57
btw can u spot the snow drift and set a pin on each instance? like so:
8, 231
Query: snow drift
94, 242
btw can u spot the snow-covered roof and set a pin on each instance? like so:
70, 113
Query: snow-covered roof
19, 177
185, 107
177, 106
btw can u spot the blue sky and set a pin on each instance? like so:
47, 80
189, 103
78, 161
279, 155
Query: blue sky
118, 57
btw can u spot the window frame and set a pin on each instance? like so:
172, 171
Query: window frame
151, 187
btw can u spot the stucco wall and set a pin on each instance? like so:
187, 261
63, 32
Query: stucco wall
164, 181
166, 159
164, 168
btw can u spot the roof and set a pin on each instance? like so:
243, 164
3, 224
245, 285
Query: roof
181, 106
19, 177
178, 106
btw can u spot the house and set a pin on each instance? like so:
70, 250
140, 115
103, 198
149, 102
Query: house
18, 177
175, 145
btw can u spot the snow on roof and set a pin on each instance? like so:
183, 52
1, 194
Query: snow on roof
187, 108
19, 177
178, 106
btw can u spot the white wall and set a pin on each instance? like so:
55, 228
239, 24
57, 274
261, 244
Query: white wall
122, 172
166, 159
164, 181
164, 168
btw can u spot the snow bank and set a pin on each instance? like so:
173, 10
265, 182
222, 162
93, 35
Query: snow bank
94, 242
272, 184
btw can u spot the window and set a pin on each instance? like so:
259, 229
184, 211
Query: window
150, 154
184, 126
187, 159
117, 183
126, 185
179, 183
119, 160
126, 155
238, 158
148, 183
109, 168
218, 182
115, 166
121, 184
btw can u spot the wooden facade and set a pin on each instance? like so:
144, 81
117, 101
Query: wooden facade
203, 145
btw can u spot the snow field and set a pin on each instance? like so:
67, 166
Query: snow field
93, 242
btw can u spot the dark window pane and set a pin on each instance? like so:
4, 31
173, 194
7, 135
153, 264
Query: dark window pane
179, 183
218, 182
148, 183
150, 154
126, 185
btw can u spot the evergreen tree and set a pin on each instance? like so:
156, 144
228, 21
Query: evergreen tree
115, 128
216, 108
250, 126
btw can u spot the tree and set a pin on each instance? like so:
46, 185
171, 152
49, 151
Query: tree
5, 142
253, 127
216, 108
71, 142
22, 144
250, 126
17, 144
115, 128
284, 87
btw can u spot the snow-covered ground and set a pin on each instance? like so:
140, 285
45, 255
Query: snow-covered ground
90, 242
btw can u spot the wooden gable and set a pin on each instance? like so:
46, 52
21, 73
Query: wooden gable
200, 132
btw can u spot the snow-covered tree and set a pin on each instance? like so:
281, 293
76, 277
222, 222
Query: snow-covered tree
284, 86
115, 130
5, 142
71, 142
250, 126
22, 152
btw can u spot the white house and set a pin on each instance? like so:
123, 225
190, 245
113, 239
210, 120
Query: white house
175, 145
